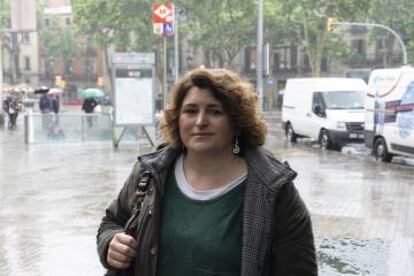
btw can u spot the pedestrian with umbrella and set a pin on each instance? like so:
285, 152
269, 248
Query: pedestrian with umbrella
54, 93
90, 103
45, 105
92, 93
12, 109
42, 90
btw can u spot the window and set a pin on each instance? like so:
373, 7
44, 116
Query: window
286, 58
344, 99
317, 100
359, 46
89, 66
47, 21
293, 57
68, 21
379, 48
25, 38
283, 57
276, 61
49, 67
26, 63
324, 64
250, 59
306, 64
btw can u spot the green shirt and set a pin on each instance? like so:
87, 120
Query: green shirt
200, 237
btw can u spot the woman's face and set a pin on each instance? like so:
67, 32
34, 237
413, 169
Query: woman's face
204, 126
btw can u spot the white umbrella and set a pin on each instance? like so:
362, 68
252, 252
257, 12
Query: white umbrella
54, 91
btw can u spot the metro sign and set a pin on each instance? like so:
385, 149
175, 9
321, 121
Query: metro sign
163, 18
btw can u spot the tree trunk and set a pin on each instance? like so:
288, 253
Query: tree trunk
108, 69
16, 73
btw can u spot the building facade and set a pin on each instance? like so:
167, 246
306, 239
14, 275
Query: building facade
76, 66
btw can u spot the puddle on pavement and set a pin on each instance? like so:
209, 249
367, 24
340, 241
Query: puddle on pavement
347, 256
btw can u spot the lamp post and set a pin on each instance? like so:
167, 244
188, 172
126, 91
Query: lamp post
404, 50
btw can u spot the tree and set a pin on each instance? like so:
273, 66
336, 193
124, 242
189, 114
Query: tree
10, 42
124, 24
222, 28
309, 17
59, 42
398, 16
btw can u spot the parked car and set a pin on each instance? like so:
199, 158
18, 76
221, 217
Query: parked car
329, 110
389, 123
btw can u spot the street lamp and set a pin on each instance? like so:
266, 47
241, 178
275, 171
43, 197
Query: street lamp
404, 50
330, 24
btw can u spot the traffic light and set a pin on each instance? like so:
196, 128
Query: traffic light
100, 81
58, 80
330, 24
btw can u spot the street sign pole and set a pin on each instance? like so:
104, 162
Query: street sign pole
163, 22
176, 51
164, 74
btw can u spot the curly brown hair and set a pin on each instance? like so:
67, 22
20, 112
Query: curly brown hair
237, 97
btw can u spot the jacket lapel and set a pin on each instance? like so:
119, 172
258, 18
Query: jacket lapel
265, 177
257, 227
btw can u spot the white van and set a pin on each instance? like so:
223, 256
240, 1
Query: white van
389, 122
329, 110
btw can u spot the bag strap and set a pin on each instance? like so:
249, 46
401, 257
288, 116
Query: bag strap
140, 193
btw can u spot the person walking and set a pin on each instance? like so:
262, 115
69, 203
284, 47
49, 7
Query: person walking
56, 103
88, 106
13, 108
6, 119
45, 106
212, 201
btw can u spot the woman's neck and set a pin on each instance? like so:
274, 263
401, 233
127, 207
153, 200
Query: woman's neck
208, 172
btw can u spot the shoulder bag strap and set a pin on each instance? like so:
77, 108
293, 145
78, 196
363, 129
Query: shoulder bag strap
140, 193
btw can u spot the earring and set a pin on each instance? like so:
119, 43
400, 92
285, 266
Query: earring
236, 147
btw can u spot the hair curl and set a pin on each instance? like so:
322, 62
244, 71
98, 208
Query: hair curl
237, 97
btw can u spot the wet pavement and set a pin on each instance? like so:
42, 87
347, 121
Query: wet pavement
53, 196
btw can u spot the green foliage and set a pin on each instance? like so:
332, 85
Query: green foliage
410, 50
223, 28
59, 41
5, 23
5, 14
397, 15
308, 17
123, 23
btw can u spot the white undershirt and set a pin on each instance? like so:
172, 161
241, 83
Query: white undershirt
195, 194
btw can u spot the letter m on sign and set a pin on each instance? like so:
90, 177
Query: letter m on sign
161, 13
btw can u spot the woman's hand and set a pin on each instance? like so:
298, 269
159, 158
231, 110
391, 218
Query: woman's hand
120, 251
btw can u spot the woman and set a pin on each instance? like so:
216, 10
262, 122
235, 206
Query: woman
217, 203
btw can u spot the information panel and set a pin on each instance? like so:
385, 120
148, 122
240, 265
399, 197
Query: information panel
134, 99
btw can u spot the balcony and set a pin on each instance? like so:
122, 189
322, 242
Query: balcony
90, 52
358, 29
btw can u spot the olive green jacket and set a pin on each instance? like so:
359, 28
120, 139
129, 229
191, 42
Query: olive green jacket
277, 231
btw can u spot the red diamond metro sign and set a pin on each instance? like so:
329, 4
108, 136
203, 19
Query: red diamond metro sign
163, 18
